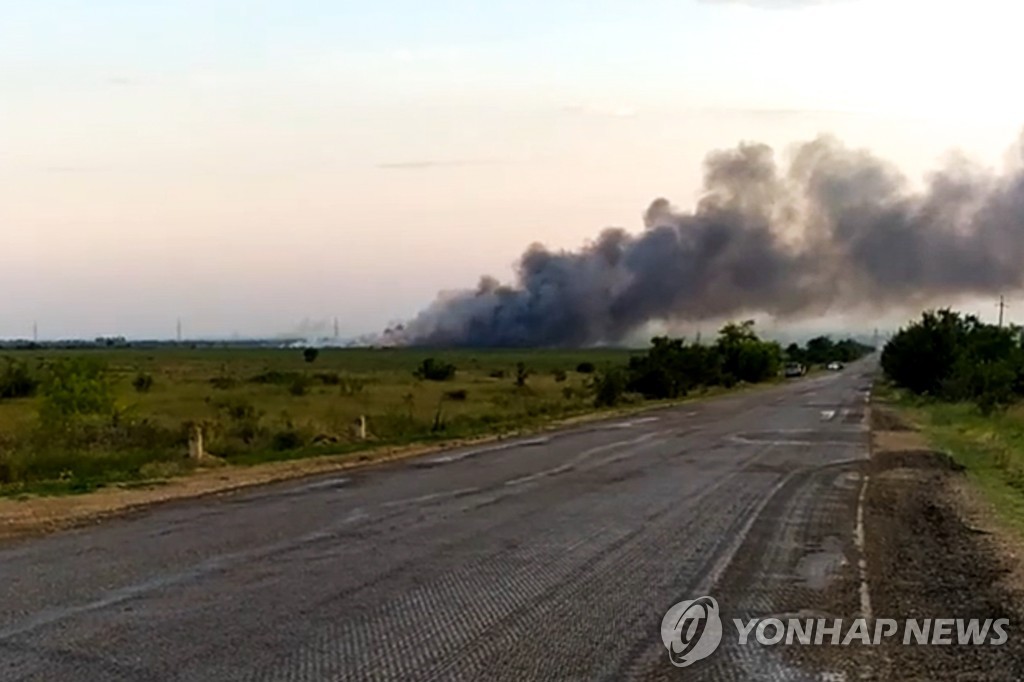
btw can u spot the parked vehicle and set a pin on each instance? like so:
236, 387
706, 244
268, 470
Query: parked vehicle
835, 366
794, 369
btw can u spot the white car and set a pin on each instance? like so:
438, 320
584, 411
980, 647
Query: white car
834, 366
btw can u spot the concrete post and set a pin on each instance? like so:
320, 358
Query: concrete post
195, 443
359, 428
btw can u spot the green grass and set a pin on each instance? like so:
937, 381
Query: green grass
249, 422
991, 448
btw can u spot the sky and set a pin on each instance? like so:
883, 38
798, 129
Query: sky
262, 168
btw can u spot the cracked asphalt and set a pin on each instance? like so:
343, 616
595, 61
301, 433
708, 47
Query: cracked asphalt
546, 558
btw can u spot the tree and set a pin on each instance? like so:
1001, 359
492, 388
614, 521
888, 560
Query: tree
310, 354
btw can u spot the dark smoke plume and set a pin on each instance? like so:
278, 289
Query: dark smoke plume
838, 229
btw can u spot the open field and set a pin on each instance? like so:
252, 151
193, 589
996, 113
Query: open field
261, 405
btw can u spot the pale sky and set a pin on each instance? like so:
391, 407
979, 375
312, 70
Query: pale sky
246, 165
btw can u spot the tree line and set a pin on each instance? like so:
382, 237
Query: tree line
956, 357
672, 367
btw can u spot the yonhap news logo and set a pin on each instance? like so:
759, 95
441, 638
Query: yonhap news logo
692, 630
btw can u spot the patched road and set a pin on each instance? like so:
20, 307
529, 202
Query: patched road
546, 558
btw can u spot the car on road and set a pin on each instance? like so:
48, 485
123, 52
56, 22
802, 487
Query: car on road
835, 366
794, 369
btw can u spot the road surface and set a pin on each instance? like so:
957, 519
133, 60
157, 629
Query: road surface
553, 557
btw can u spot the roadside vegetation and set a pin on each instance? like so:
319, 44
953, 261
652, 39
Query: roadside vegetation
74, 420
962, 382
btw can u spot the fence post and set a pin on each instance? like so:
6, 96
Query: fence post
195, 443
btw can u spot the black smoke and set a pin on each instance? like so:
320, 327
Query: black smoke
835, 229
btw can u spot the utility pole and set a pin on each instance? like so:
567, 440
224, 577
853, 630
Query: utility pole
179, 330
1002, 306
35, 332
336, 333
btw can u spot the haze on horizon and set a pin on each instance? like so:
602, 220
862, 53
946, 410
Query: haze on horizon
245, 166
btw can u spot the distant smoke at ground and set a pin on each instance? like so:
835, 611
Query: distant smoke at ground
835, 229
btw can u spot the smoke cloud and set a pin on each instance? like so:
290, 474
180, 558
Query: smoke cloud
835, 229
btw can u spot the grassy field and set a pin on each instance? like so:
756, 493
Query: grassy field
260, 405
991, 448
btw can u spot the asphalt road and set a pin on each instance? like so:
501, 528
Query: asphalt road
545, 558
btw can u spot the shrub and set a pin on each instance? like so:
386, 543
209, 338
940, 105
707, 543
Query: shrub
585, 368
609, 387
75, 387
434, 370
458, 395
521, 374
288, 439
497, 374
142, 382
310, 354
560, 375
16, 381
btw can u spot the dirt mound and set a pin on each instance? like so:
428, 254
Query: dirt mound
915, 459
883, 419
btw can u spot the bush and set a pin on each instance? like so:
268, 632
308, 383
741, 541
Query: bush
521, 374
288, 439
609, 387
585, 368
75, 387
310, 354
560, 375
16, 381
142, 382
458, 395
497, 374
434, 370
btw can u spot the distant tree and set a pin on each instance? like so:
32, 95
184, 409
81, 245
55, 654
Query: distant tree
434, 370
585, 368
310, 354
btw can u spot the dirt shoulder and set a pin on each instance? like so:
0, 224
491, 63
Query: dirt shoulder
935, 549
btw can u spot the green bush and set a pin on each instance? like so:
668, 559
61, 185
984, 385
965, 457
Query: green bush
142, 382
609, 387
16, 381
585, 368
310, 354
435, 370
75, 387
